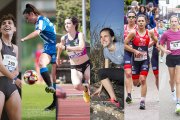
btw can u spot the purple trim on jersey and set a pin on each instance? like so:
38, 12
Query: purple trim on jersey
75, 54
78, 54
169, 36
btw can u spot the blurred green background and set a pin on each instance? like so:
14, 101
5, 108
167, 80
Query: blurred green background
28, 48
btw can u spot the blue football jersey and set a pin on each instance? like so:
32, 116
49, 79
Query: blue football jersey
47, 33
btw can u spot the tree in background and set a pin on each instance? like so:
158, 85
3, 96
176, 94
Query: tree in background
66, 8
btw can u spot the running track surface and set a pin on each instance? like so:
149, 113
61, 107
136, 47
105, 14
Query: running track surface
73, 107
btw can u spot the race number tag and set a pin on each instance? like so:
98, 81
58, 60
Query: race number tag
175, 45
141, 57
10, 62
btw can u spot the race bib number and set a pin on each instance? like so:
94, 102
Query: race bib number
175, 45
10, 62
141, 57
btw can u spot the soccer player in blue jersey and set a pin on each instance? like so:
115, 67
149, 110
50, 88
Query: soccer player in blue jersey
45, 29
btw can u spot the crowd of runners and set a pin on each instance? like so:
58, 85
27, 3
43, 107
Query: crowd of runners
145, 39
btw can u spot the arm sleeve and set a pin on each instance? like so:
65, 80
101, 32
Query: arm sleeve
41, 25
163, 39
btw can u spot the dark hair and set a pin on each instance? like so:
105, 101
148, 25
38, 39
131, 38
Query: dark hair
131, 11
154, 10
129, 8
30, 8
8, 17
142, 15
142, 6
111, 32
75, 21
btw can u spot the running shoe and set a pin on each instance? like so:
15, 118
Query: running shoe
177, 108
50, 89
115, 102
51, 107
174, 95
142, 105
128, 100
86, 96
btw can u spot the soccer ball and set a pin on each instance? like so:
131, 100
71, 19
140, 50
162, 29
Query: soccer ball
30, 77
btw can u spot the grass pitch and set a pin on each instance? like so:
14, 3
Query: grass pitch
34, 100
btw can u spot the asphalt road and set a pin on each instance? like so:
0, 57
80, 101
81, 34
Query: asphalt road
167, 105
159, 105
132, 111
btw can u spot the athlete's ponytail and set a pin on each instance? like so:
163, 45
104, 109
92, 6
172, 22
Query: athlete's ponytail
30, 8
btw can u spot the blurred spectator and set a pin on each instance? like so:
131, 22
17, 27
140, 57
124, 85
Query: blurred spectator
142, 10
150, 7
134, 6
161, 30
155, 12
